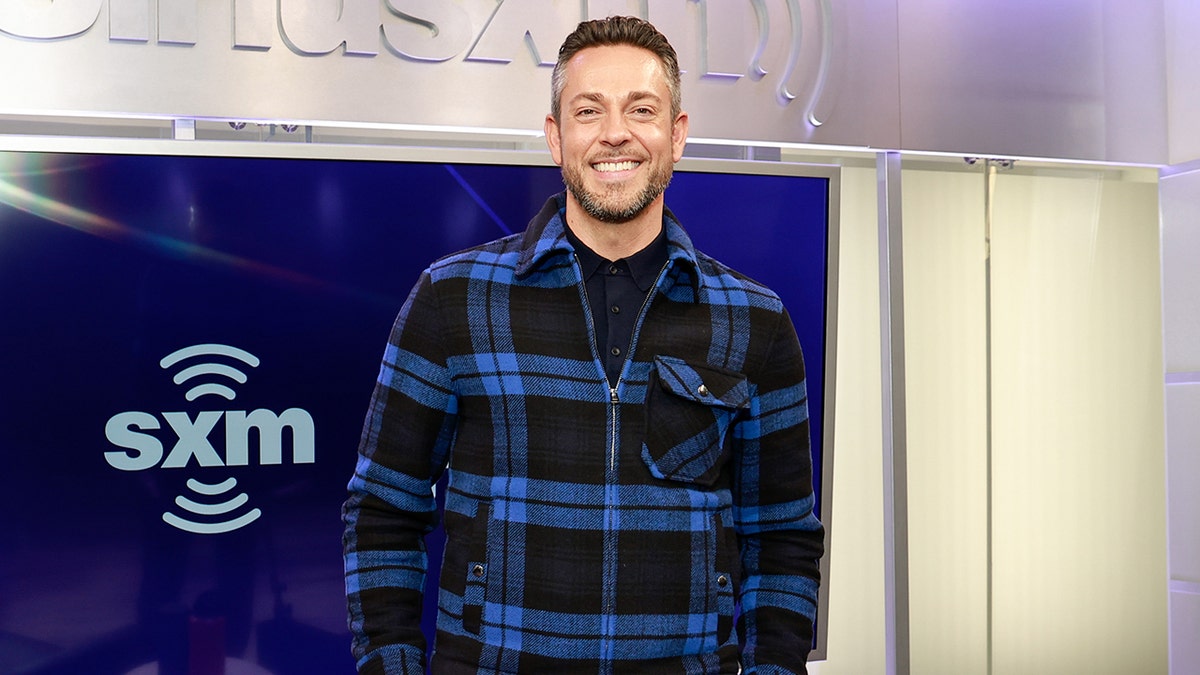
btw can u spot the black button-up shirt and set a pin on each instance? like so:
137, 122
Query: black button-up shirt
617, 289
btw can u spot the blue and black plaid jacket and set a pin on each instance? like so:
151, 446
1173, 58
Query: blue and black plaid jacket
662, 526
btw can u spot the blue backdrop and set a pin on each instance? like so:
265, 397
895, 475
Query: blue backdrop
187, 348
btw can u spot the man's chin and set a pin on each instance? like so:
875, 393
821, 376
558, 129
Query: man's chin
610, 212
615, 209
615, 203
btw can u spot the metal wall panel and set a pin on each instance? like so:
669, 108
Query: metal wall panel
759, 70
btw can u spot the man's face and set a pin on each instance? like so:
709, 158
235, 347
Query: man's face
616, 140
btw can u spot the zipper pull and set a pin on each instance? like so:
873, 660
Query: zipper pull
612, 395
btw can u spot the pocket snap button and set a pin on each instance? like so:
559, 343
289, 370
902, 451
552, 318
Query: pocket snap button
477, 570
722, 581
702, 390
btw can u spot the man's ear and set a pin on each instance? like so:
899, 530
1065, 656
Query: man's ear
553, 139
679, 133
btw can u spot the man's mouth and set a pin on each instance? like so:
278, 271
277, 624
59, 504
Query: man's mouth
613, 167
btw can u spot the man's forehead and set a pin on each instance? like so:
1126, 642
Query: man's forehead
623, 59
615, 71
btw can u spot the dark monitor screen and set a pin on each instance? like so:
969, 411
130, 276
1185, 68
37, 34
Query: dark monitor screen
187, 349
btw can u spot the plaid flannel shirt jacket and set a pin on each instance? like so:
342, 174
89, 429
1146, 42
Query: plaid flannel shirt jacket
664, 525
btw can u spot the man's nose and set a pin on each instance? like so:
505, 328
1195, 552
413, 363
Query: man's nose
616, 129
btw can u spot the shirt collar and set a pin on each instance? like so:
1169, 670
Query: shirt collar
546, 237
644, 265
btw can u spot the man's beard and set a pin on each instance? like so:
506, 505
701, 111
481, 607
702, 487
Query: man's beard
606, 206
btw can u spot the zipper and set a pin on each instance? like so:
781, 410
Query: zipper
614, 396
637, 329
614, 401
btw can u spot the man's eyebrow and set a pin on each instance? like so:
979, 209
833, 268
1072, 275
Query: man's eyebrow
642, 96
594, 97
597, 97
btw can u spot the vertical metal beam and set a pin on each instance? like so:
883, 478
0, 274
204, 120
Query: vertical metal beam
895, 466
989, 191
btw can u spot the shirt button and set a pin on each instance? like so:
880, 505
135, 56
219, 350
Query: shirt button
613, 269
616, 309
616, 351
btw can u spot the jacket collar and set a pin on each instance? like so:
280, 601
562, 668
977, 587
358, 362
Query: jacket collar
545, 240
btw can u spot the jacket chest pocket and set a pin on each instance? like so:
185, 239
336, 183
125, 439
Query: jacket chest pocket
689, 411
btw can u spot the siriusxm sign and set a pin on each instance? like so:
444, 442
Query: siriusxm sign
209, 370
417, 30
455, 63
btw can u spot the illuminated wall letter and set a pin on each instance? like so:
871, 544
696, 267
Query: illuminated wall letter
723, 51
430, 30
177, 22
677, 20
316, 27
129, 20
48, 19
253, 24
518, 23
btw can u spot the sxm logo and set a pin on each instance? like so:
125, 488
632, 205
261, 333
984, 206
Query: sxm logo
209, 370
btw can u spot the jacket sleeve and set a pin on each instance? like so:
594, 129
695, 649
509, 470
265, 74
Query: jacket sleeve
780, 537
402, 452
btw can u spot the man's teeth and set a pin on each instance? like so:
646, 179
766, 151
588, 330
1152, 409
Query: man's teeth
615, 166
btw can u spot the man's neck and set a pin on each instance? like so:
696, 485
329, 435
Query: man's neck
614, 241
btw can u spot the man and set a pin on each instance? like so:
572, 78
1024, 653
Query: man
624, 420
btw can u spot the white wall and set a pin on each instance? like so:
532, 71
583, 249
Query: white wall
1181, 322
1067, 78
1070, 78
1183, 87
855, 604
1078, 562
946, 401
1078, 512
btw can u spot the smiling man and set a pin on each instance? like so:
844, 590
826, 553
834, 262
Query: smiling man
623, 420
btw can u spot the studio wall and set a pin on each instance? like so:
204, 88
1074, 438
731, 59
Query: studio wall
1073, 79
1072, 497
1181, 339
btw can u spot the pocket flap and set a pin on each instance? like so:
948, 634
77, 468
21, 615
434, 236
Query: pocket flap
703, 384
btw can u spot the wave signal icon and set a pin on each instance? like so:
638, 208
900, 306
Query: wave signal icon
209, 369
211, 509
